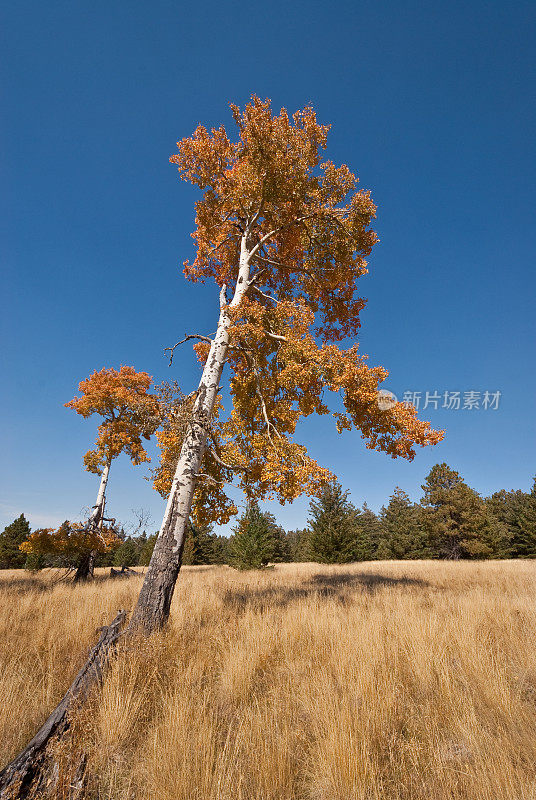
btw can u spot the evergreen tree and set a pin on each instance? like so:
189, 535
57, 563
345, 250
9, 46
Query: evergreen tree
198, 545
496, 537
403, 532
297, 545
256, 540
457, 520
508, 508
219, 551
332, 527
526, 542
141, 543
147, 551
281, 549
127, 553
35, 561
11, 557
368, 535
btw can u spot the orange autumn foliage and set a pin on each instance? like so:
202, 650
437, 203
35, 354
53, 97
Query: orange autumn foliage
211, 503
307, 231
129, 413
70, 541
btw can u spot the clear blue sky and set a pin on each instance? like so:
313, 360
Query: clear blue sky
431, 103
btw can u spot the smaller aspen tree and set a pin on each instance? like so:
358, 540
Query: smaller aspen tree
129, 414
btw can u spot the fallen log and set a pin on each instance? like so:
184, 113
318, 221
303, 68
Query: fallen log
32, 771
124, 572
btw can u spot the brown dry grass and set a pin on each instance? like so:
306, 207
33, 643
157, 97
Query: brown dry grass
406, 680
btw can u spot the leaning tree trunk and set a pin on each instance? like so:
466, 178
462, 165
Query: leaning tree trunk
152, 609
87, 562
32, 772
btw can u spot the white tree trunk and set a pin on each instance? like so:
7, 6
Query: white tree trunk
97, 513
152, 609
86, 565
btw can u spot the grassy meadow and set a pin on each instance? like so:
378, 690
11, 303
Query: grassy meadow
376, 681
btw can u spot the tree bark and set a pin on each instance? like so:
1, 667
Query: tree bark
152, 609
86, 566
30, 772
83, 570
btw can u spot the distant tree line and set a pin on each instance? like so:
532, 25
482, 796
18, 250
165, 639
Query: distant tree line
452, 521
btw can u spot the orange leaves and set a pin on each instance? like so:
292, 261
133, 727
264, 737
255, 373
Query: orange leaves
110, 389
272, 181
210, 503
69, 541
301, 232
129, 413
282, 373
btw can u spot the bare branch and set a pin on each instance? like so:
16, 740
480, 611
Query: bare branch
260, 272
186, 338
269, 425
248, 355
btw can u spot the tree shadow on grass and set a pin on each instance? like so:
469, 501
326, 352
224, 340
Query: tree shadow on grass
21, 585
339, 586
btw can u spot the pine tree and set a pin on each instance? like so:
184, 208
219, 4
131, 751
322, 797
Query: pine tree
11, 557
141, 543
457, 520
526, 542
368, 535
403, 532
256, 540
297, 545
333, 527
126, 554
147, 551
35, 562
496, 537
198, 545
219, 550
508, 508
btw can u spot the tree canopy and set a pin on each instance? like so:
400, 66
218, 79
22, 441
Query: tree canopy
285, 236
130, 413
303, 230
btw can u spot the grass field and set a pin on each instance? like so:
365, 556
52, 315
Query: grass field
361, 682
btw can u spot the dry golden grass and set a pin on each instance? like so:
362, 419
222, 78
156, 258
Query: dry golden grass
371, 681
